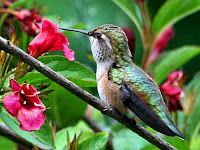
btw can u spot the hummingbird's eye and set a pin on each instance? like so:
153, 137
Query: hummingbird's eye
98, 35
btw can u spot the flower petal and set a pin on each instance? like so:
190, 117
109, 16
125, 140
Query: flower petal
174, 104
175, 76
31, 118
28, 89
37, 46
69, 54
169, 89
27, 19
15, 86
49, 26
12, 103
50, 39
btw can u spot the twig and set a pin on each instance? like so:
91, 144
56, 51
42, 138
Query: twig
96, 128
5, 131
84, 95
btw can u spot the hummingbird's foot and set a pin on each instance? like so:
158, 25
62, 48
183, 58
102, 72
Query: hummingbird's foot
107, 108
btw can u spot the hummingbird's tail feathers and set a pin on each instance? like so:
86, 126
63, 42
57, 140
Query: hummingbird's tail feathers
145, 113
174, 128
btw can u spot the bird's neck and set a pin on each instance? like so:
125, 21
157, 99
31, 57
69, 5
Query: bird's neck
119, 61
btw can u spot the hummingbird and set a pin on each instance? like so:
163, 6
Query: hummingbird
124, 85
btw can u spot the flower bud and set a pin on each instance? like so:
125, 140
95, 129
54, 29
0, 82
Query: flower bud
161, 44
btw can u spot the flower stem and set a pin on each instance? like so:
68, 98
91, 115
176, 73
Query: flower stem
147, 33
8, 74
12, 12
6, 65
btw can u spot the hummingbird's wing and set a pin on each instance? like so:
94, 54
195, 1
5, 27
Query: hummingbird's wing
142, 96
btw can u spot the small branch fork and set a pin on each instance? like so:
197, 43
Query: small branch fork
8, 47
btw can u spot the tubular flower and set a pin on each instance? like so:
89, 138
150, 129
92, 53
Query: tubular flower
25, 104
161, 43
171, 89
50, 39
131, 39
27, 19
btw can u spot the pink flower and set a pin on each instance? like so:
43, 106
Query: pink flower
25, 104
50, 39
161, 43
171, 88
27, 18
131, 38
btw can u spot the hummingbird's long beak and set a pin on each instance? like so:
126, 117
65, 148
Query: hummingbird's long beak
77, 30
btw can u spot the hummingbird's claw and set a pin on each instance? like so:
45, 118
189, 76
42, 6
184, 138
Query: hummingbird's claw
107, 108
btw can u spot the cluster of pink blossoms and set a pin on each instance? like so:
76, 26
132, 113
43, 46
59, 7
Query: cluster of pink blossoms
23, 102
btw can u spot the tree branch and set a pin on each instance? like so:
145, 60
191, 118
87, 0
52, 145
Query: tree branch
8, 47
5, 131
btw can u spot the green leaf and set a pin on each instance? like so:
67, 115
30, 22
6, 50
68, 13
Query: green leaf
88, 139
132, 10
61, 136
44, 135
150, 147
194, 123
174, 60
66, 108
127, 140
195, 143
175, 141
96, 141
72, 70
37, 138
172, 11
178, 143
6, 144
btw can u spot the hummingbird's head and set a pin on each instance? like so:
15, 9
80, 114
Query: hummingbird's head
107, 42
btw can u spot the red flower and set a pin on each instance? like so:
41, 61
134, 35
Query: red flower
25, 104
27, 19
131, 38
161, 43
172, 90
50, 39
